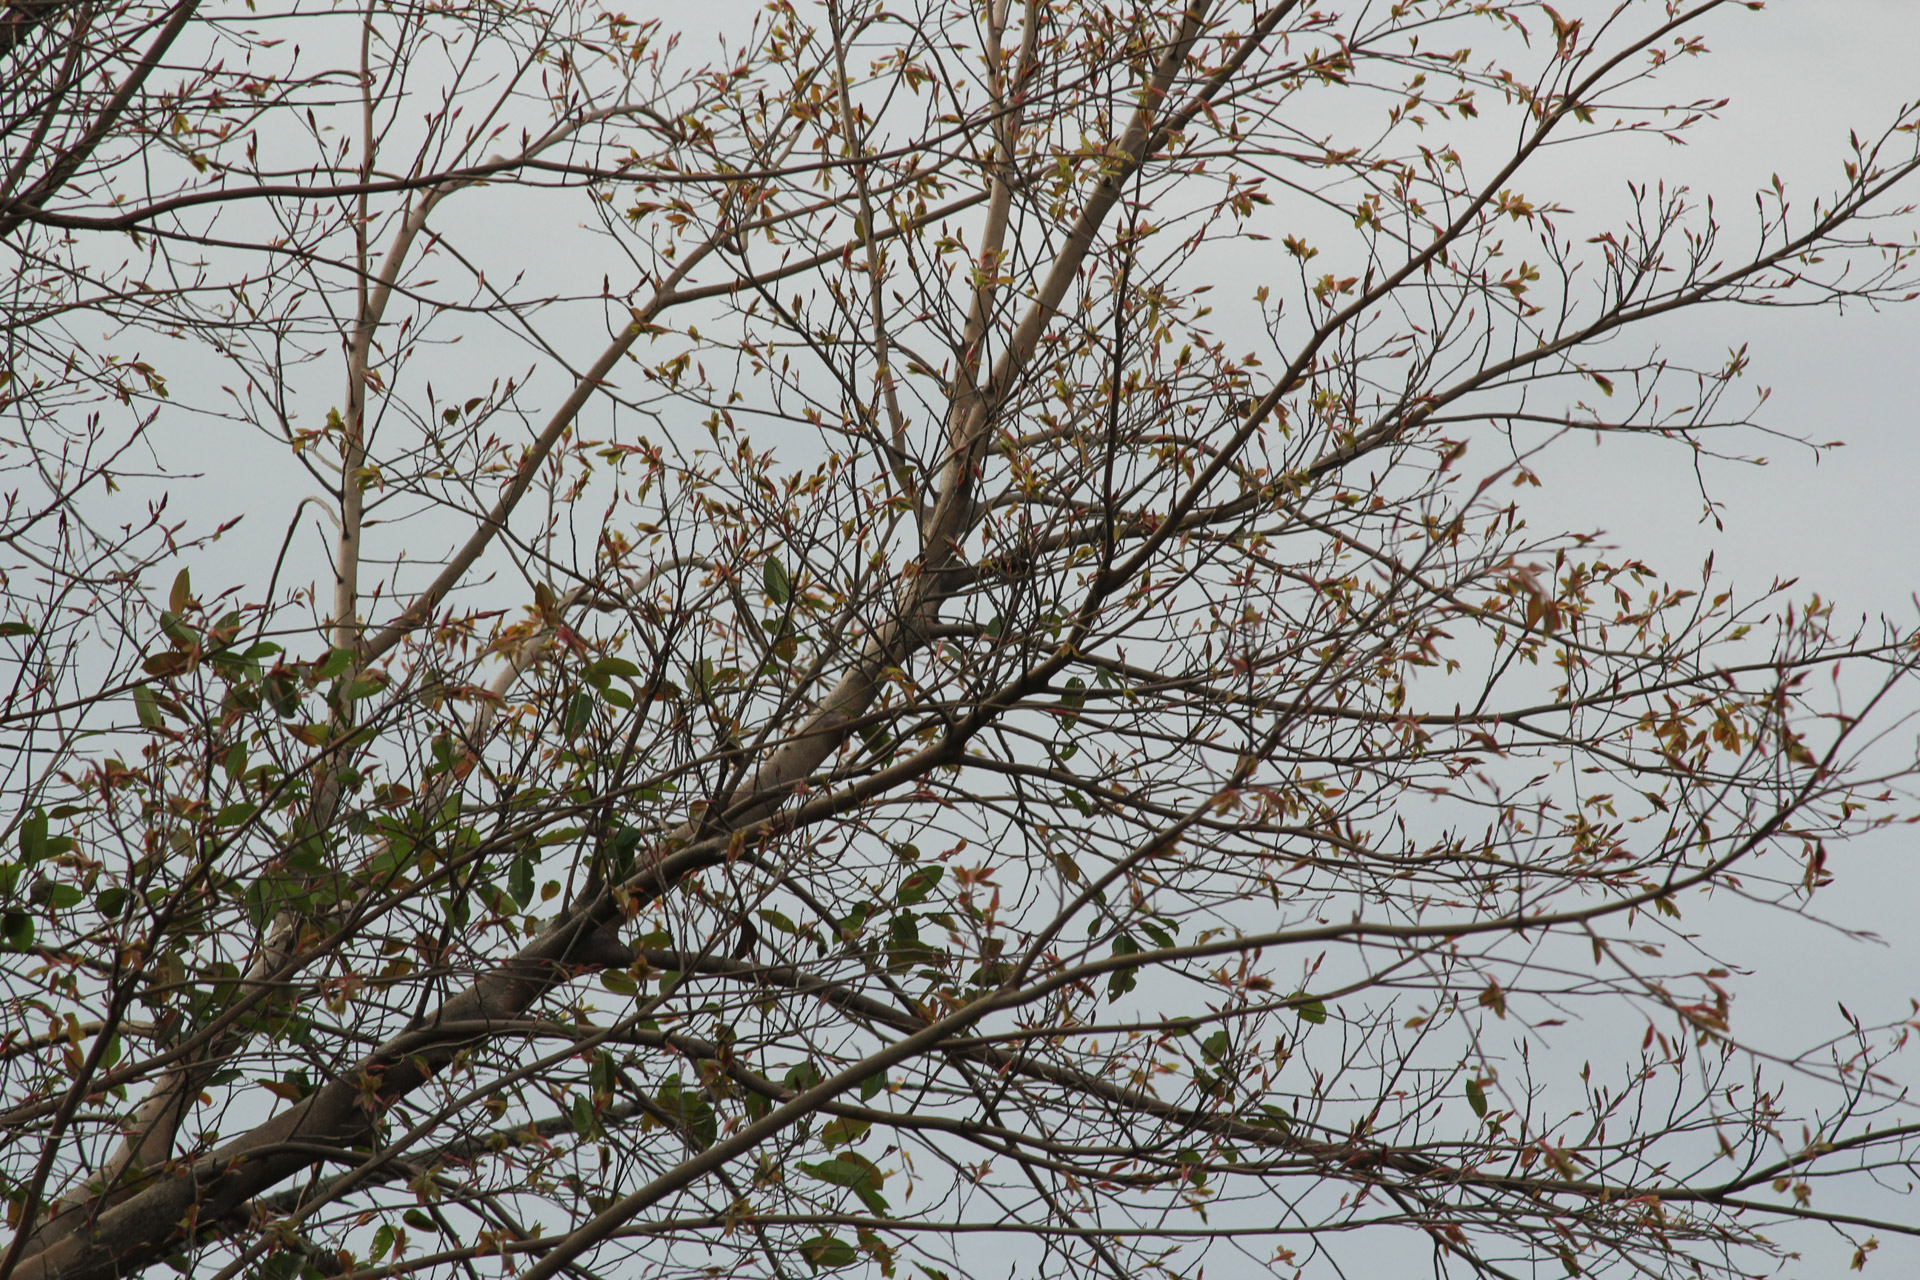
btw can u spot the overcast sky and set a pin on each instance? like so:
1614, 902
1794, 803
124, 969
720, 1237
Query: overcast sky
1799, 76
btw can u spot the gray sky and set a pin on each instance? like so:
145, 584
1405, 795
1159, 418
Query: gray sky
1799, 75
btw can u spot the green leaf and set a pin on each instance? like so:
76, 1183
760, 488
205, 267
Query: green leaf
14, 629
266, 895
1477, 1098
1072, 700
307, 857
854, 1172
365, 687
1121, 981
110, 902
382, 1241
918, 885
33, 837
843, 1130
614, 667
166, 665
279, 1266
585, 1123
827, 1253
690, 1111
18, 927
147, 708
579, 714
620, 850
520, 880
1314, 1011
774, 575
619, 982
334, 665
181, 597
234, 814
778, 920
282, 694
182, 635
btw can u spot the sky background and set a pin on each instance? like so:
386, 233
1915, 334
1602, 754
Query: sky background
1846, 522
1799, 75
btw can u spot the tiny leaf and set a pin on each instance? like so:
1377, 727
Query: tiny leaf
579, 713
774, 575
918, 885
147, 708
520, 880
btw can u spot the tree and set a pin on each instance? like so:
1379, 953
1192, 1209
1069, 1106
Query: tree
924, 643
